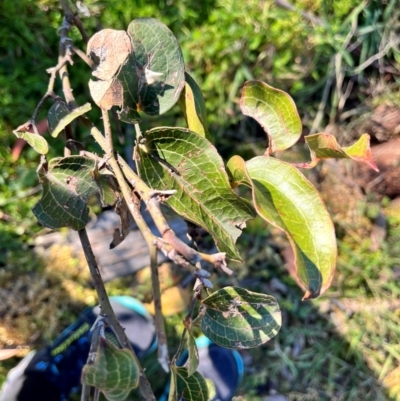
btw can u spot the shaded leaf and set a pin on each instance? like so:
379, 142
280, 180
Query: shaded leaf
275, 111
187, 388
114, 371
67, 182
325, 146
59, 116
238, 318
175, 158
108, 187
36, 141
286, 199
193, 355
125, 219
193, 107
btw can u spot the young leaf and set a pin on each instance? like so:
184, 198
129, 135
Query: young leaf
36, 141
175, 158
275, 111
238, 318
325, 146
286, 199
193, 355
67, 182
114, 371
193, 107
187, 388
59, 116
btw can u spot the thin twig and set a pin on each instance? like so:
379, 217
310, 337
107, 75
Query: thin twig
83, 56
163, 356
153, 206
74, 19
107, 311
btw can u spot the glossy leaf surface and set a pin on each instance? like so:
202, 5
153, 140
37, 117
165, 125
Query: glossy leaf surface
114, 371
67, 184
238, 318
175, 158
275, 111
286, 199
193, 107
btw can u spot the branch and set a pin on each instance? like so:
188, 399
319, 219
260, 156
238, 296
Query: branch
107, 311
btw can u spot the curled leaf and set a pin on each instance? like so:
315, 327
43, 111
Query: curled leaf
193, 107
59, 116
286, 199
325, 146
114, 371
275, 111
36, 141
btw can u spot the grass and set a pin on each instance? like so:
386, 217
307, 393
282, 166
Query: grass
343, 346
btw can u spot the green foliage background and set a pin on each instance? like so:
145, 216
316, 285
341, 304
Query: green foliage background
224, 43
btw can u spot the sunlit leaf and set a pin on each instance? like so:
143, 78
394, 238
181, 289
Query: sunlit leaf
138, 70
114, 371
67, 182
159, 63
286, 199
193, 107
36, 141
275, 111
325, 146
59, 116
175, 158
238, 318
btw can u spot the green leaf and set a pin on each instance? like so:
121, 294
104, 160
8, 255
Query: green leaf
159, 63
141, 70
238, 318
114, 371
286, 199
187, 388
193, 107
193, 355
36, 141
325, 146
59, 116
67, 182
275, 111
175, 158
